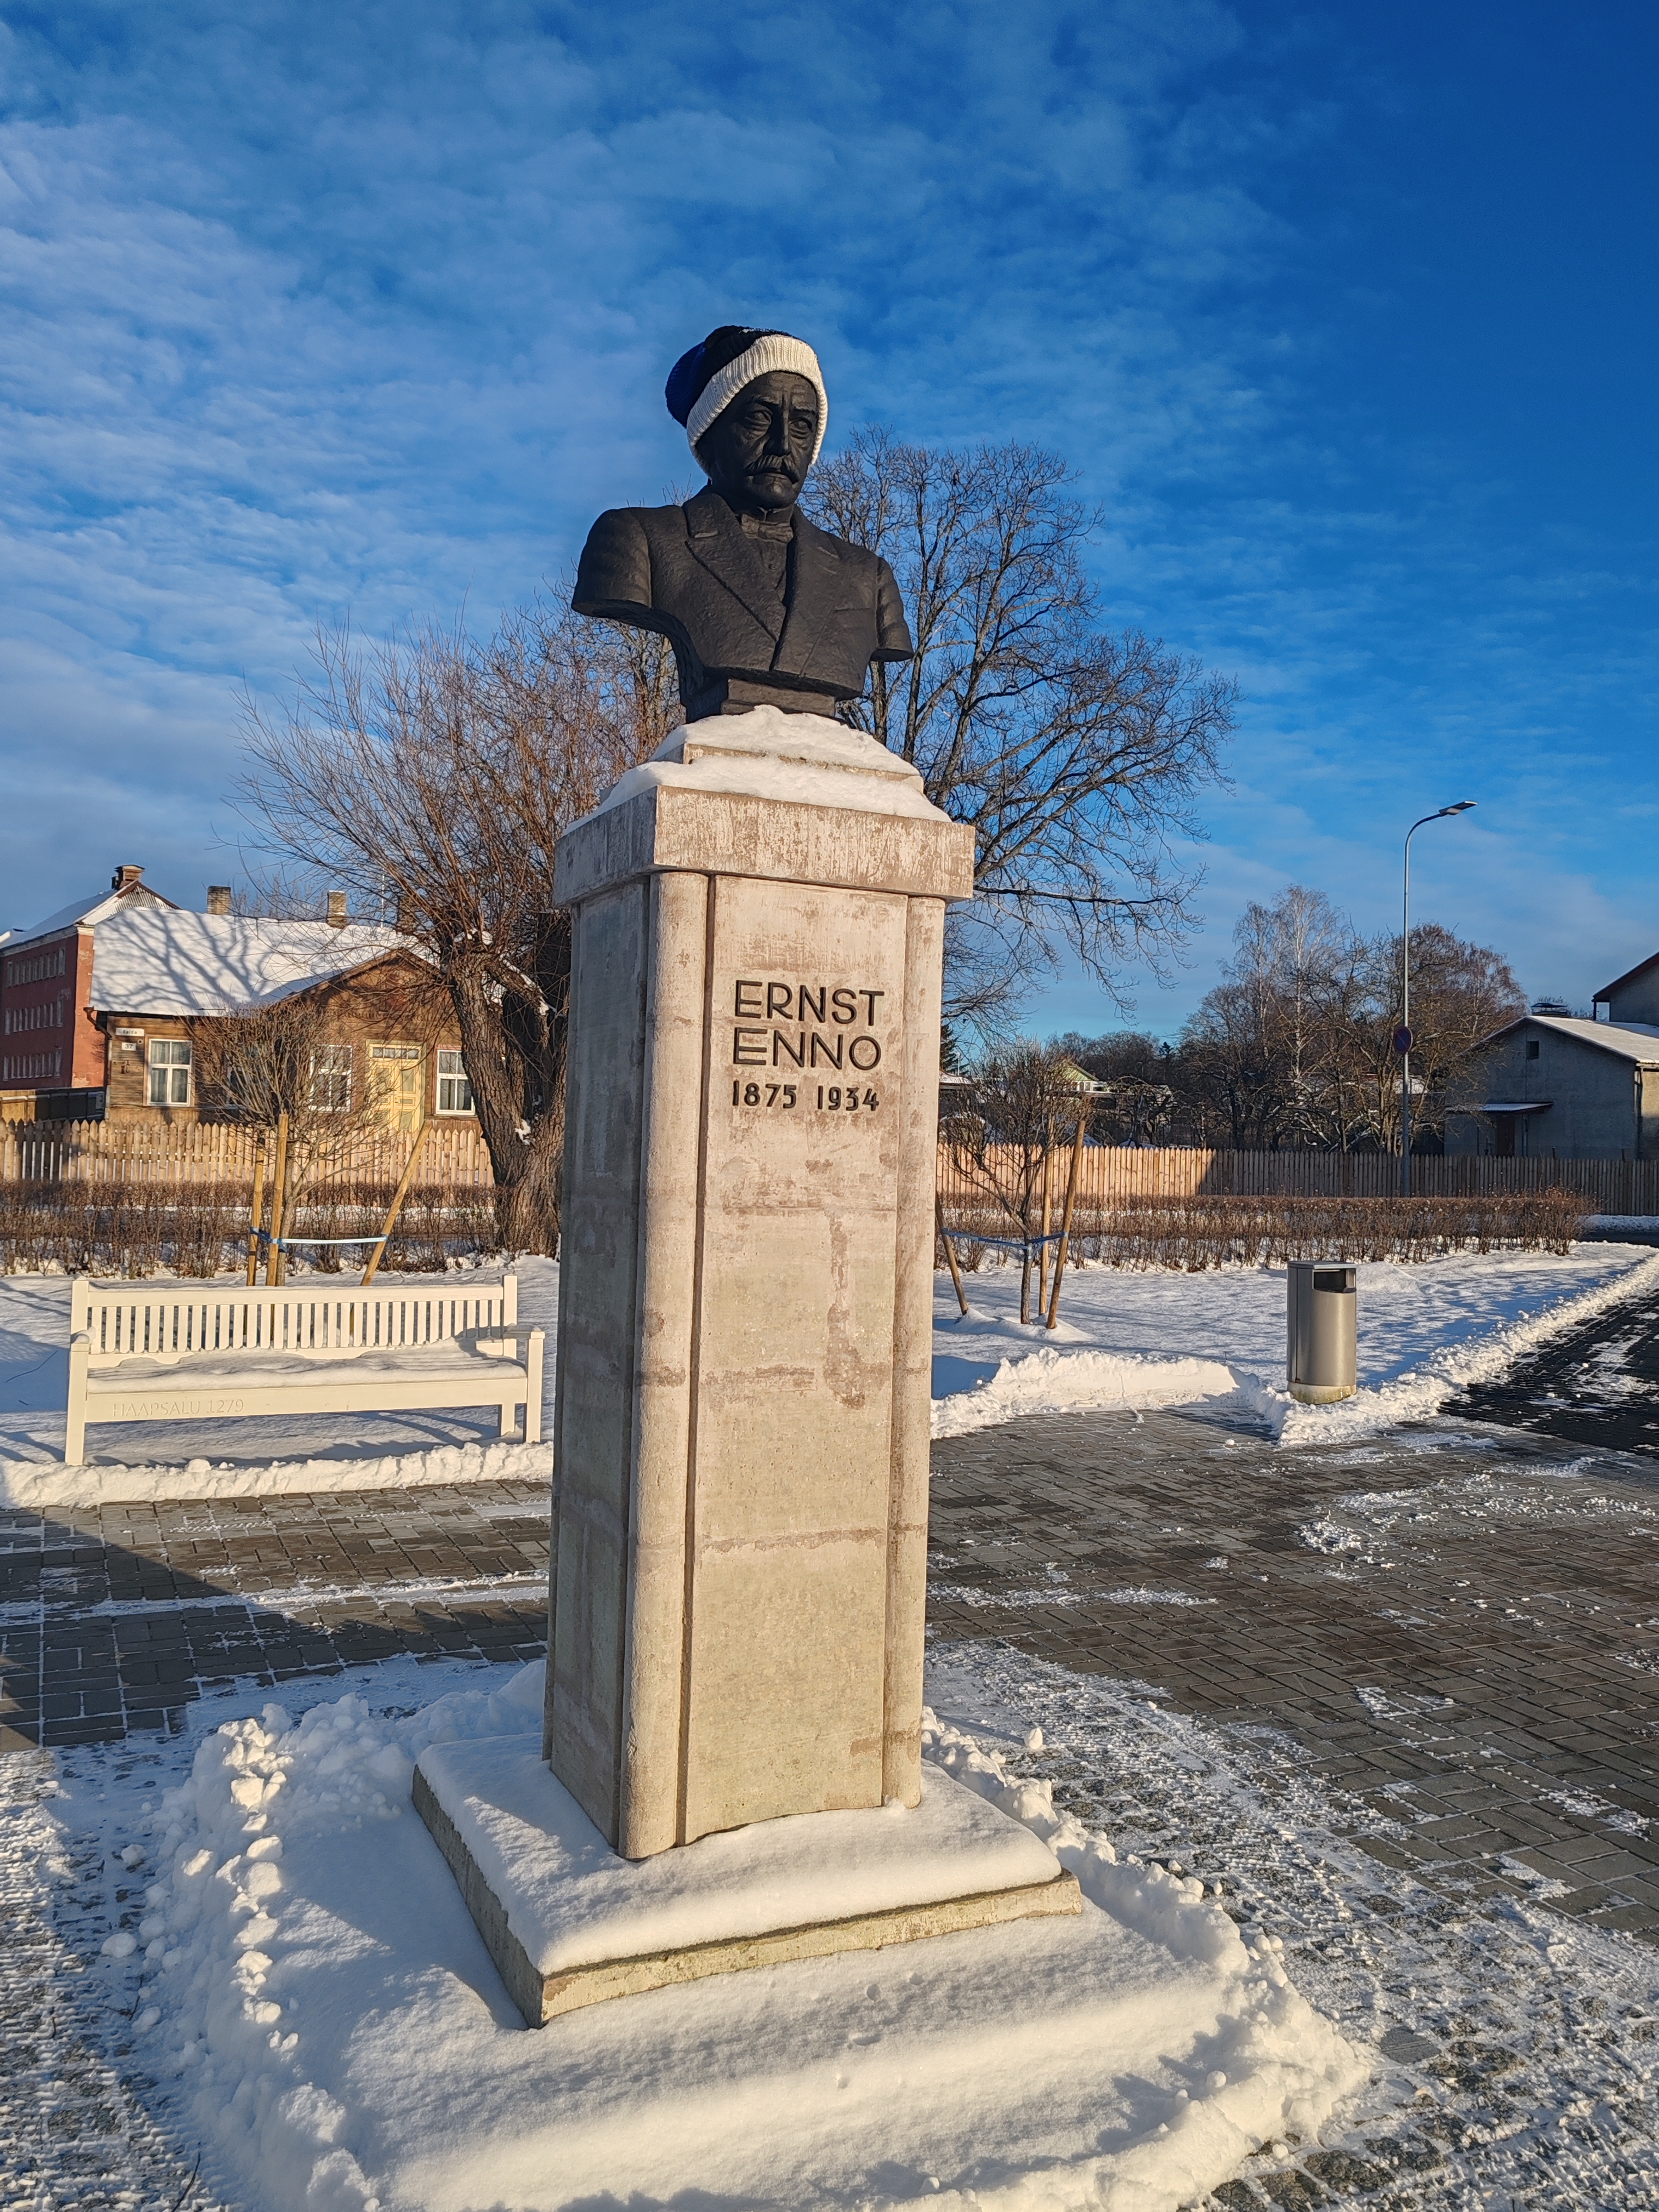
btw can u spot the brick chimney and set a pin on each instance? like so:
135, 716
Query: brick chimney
337, 909
218, 898
125, 878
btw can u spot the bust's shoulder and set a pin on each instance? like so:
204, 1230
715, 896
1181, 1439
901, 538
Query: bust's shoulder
853, 557
619, 522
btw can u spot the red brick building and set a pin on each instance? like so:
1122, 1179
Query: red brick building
52, 1046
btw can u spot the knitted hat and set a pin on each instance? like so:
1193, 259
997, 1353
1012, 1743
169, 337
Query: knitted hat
706, 381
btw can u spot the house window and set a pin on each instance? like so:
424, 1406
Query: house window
331, 1078
169, 1071
454, 1092
1532, 1049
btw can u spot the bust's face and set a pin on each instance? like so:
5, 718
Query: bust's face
757, 449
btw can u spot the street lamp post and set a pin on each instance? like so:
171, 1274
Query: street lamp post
1403, 1035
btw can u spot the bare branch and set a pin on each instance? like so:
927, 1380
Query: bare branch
1075, 753
432, 776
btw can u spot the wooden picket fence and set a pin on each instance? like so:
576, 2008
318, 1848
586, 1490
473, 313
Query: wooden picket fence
1112, 1173
221, 1153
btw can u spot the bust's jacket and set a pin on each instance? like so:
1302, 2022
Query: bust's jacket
690, 573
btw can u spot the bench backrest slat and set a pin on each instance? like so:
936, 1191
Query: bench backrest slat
170, 1321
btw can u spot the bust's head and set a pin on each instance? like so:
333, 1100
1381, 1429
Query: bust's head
754, 408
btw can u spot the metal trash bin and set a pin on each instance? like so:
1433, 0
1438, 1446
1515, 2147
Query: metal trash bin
1322, 1304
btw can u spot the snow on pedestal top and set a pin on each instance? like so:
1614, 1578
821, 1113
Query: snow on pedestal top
572, 1901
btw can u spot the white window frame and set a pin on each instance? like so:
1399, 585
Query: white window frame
174, 1060
327, 1067
453, 1083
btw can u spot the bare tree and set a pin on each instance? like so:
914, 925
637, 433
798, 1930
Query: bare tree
1461, 993
1074, 752
1135, 1077
436, 774
1297, 966
1295, 1045
1002, 1129
280, 1065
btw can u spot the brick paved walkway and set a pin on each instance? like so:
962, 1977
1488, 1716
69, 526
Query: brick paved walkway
1475, 1649
1478, 1654
1460, 1627
115, 1619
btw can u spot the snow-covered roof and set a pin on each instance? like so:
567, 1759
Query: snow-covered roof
162, 961
1637, 1041
90, 911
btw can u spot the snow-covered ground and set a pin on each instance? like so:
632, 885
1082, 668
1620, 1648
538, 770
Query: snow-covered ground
1163, 1338
308, 1996
279, 1960
1159, 1338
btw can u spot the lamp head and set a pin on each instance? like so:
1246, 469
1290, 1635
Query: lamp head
1461, 807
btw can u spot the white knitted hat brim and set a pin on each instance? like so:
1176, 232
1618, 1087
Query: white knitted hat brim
773, 351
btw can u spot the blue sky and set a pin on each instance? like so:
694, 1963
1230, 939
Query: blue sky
1346, 315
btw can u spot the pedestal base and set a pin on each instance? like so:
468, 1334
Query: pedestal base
568, 1923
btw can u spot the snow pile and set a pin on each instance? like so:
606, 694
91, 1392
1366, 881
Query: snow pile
1280, 2039
222, 1930
1487, 2090
319, 2012
38, 1485
1052, 1381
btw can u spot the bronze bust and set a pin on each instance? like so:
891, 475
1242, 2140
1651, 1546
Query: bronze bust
761, 606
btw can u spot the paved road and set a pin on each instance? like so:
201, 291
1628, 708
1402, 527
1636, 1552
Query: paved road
1597, 1384
1483, 1643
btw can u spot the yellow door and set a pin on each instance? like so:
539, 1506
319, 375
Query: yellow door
399, 1074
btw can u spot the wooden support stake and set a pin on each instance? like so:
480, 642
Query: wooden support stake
950, 1254
279, 1200
259, 1212
398, 1197
1066, 1218
1048, 1218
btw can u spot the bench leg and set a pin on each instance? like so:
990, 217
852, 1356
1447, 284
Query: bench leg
75, 1426
533, 1407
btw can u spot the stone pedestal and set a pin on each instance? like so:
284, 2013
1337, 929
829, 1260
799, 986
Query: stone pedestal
569, 1922
741, 1435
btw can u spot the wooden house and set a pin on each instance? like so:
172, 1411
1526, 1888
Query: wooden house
144, 985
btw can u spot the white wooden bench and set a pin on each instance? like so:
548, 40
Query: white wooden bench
190, 1351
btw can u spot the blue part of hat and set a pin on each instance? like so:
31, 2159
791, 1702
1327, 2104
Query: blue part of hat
684, 382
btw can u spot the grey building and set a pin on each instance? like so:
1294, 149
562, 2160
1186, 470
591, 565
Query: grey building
1550, 1087
1632, 999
